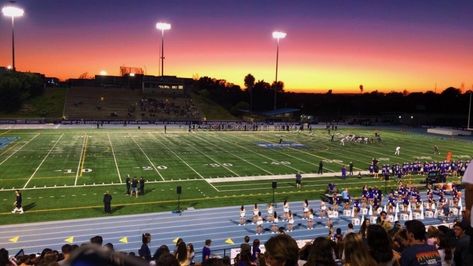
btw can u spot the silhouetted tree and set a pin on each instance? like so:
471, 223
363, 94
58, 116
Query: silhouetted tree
249, 84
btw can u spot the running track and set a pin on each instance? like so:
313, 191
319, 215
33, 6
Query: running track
194, 226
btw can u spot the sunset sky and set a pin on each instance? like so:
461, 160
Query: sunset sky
384, 45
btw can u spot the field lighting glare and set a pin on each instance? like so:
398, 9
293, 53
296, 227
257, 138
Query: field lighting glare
9, 67
12, 11
279, 35
132, 74
103, 73
163, 26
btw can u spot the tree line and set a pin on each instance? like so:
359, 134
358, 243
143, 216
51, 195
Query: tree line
17, 87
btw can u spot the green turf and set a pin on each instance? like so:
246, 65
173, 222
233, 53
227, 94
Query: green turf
53, 166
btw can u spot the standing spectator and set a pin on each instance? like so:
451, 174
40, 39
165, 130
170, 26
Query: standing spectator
181, 254
418, 252
256, 251
144, 251
206, 251
281, 250
18, 203
350, 168
134, 187
321, 167
142, 186
107, 202
355, 251
462, 255
244, 258
190, 253
298, 180
128, 184
445, 250
344, 172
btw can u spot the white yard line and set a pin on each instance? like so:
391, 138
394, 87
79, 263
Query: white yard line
223, 166
44, 159
114, 158
80, 160
234, 155
149, 160
261, 155
19, 149
190, 167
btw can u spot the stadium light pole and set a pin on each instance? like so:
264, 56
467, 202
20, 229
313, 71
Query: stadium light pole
162, 26
13, 12
278, 35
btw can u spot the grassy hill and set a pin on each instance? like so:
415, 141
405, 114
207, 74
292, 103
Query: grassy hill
212, 110
48, 105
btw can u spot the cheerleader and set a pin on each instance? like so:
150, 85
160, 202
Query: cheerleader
306, 209
255, 213
290, 222
259, 224
242, 215
274, 226
286, 210
310, 220
269, 218
323, 210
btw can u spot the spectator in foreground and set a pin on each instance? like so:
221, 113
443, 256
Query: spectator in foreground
281, 250
462, 255
418, 252
206, 251
355, 252
321, 253
144, 251
380, 246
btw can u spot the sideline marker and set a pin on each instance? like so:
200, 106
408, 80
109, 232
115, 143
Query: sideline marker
14, 239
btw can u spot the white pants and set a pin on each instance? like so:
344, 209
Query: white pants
20, 210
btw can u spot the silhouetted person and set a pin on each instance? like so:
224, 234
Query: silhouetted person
321, 167
107, 202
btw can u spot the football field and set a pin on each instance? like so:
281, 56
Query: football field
63, 173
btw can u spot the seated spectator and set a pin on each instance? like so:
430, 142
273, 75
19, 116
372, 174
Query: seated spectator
98, 240
167, 260
355, 252
281, 250
379, 246
418, 252
321, 253
162, 250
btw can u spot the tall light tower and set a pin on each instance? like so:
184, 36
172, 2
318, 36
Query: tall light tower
162, 26
277, 35
13, 12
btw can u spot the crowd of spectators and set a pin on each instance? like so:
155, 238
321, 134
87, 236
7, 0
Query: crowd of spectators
179, 108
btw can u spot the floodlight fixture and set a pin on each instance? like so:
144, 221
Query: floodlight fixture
13, 11
279, 35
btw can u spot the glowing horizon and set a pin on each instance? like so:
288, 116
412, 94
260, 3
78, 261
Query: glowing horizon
424, 47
